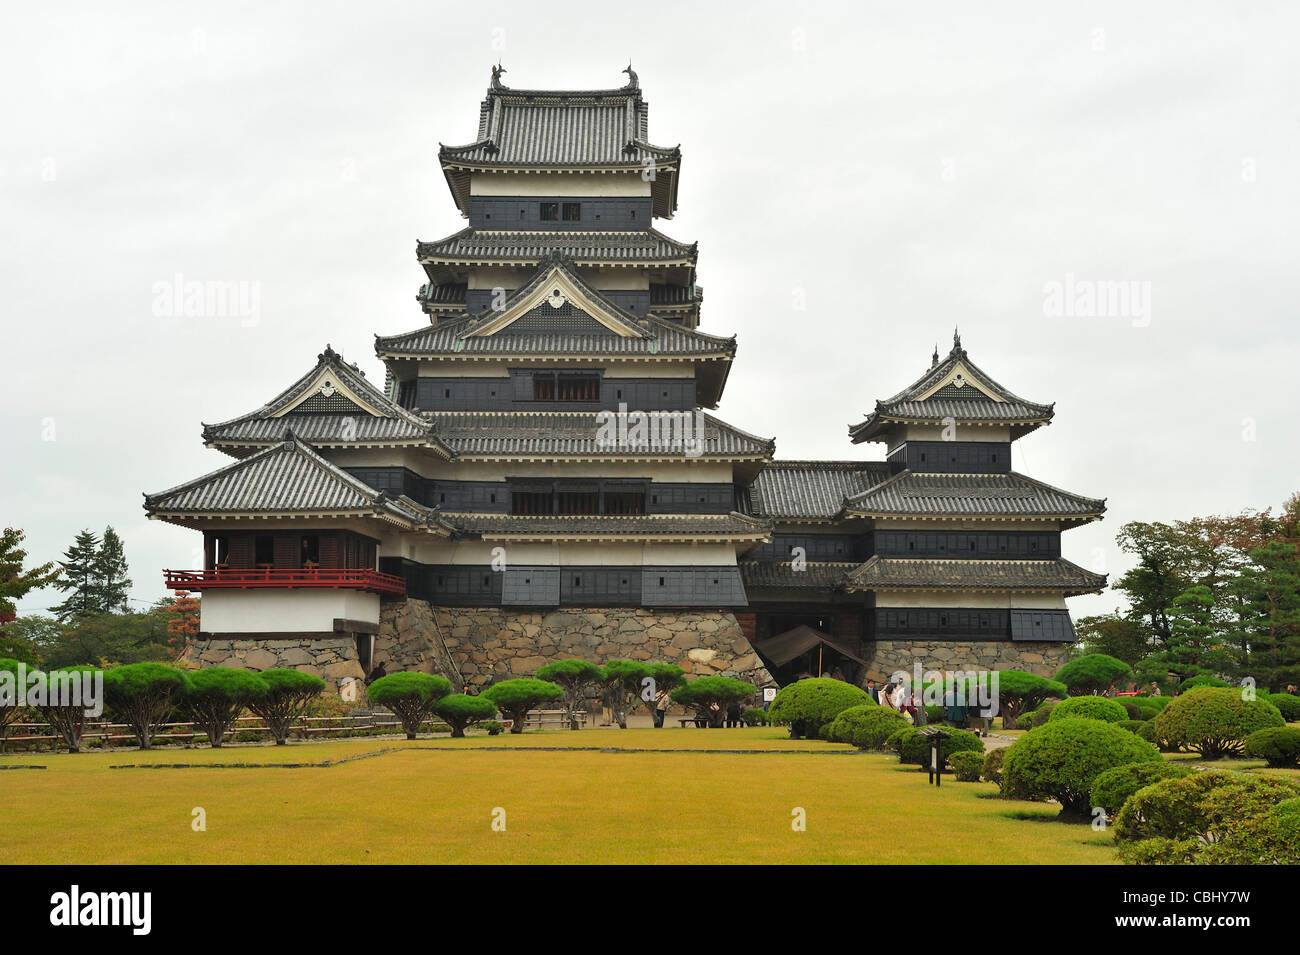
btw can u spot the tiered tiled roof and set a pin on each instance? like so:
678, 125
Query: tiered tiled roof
781, 575
478, 247
317, 409
288, 479
604, 130
811, 490
665, 527
972, 496
905, 573
954, 388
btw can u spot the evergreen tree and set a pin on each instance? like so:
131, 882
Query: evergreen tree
1196, 644
1270, 588
77, 574
111, 582
15, 582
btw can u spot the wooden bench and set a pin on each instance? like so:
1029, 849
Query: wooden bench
542, 718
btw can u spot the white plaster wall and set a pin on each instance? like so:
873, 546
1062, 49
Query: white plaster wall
558, 184
283, 611
925, 598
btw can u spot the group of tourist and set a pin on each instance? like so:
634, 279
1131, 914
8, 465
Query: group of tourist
896, 695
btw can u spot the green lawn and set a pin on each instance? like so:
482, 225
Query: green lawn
432, 800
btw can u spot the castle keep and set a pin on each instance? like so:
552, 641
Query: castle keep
538, 477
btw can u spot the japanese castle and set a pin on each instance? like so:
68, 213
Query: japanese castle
536, 477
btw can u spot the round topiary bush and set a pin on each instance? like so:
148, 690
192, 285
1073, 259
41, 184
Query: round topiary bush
754, 716
1132, 709
966, 766
1287, 705
1208, 817
866, 726
1214, 721
1133, 726
412, 696
1114, 786
1092, 673
1193, 682
1089, 707
992, 769
1279, 745
1020, 693
914, 748
808, 705
1037, 716
1062, 759
460, 711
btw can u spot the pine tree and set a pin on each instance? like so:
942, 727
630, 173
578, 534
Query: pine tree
77, 574
14, 581
109, 567
1270, 590
1196, 643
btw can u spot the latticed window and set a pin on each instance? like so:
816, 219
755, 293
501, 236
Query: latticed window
532, 502
625, 501
573, 212
579, 502
550, 211
566, 387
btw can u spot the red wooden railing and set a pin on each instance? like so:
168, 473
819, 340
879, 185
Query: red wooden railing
333, 578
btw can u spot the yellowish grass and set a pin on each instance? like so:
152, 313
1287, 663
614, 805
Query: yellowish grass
432, 800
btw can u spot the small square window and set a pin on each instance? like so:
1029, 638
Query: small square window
550, 211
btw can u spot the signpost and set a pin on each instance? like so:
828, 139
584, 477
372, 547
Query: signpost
934, 735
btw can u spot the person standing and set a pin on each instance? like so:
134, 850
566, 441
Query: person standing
661, 708
872, 691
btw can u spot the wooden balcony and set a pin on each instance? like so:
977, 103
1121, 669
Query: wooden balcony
330, 578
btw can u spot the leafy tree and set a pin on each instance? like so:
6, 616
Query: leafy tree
112, 585
182, 619
1195, 646
289, 693
709, 696
1164, 567
460, 711
624, 680
77, 576
109, 638
216, 696
1092, 673
10, 711
412, 696
574, 676
16, 583
1122, 637
515, 698
25, 638
144, 695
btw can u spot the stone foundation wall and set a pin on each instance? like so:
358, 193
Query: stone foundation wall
489, 644
331, 658
886, 657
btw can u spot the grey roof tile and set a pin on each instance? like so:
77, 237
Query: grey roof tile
972, 495
904, 573
731, 526
471, 247
811, 490
781, 575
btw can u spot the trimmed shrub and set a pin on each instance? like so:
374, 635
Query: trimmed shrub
933, 712
1214, 722
143, 695
1062, 759
1204, 679
808, 705
66, 721
866, 726
623, 679
412, 696
992, 769
492, 726
1213, 817
1036, 717
1133, 726
1092, 673
573, 676
1145, 729
1114, 786
966, 765
1020, 692
1279, 745
1089, 707
216, 696
1287, 705
460, 711
754, 716
709, 696
289, 692
914, 748
516, 697
1132, 709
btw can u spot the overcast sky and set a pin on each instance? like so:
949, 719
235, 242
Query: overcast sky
894, 170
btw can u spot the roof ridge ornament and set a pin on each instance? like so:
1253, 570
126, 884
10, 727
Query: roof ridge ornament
956, 339
497, 72
328, 354
633, 83
934, 359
